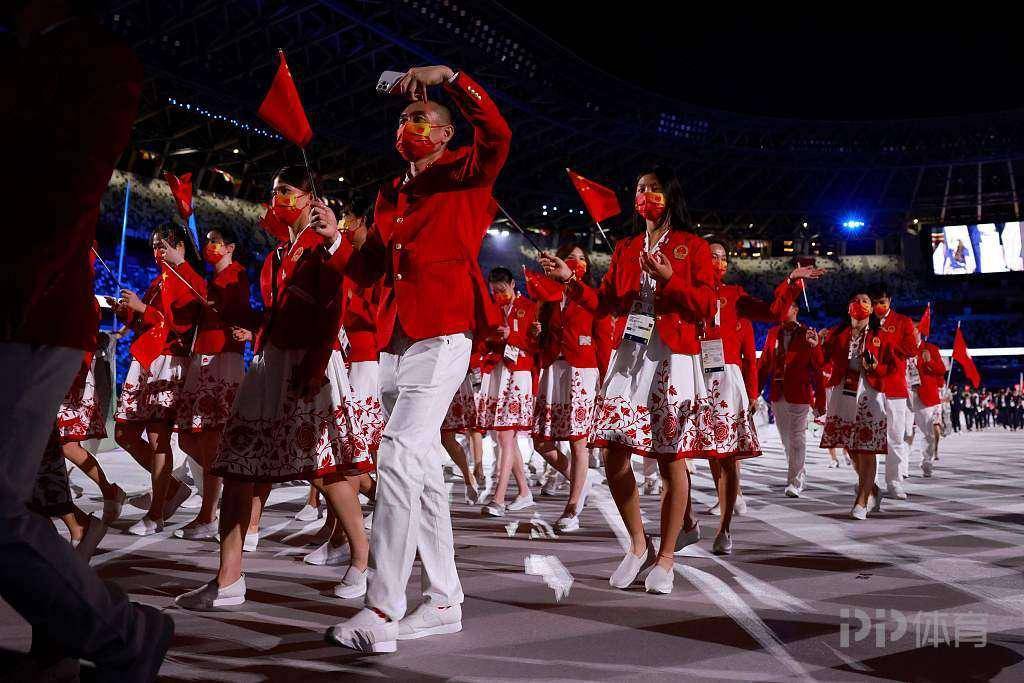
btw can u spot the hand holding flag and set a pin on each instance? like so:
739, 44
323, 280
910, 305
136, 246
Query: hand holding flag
542, 288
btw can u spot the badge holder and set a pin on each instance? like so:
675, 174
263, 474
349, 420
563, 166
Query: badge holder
712, 355
640, 324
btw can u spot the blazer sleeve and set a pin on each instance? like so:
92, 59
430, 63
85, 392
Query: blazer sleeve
491, 133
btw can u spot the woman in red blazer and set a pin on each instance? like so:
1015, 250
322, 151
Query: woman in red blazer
855, 417
292, 418
506, 392
568, 336
163, 322
660, 280
215, 368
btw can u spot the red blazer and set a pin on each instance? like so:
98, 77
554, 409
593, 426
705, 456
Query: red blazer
748, 358
228, 291
933, 374
427, 232
360, 322
67, 104
736, 305
576, 335
679, 305
520, 316
898, 332
836, 351
796, 371
168, 306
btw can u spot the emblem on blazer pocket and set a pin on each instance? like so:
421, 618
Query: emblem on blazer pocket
297, 253
520, 313
876, 341
680, 252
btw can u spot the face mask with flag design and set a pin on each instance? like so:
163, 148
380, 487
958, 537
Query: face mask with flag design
577, 266
286, 207
881, 310
651, 205
503, 298
213, 253
859, 310
414, 141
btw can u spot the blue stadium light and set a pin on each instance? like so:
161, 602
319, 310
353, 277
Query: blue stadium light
853, 223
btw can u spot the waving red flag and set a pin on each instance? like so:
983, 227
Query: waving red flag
924, 326
961, 356
542, 288
600, 201
282, 109
181, 188
148, 346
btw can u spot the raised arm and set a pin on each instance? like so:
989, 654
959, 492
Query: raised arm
491, 134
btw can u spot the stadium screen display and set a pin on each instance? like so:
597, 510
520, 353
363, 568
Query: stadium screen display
982, 248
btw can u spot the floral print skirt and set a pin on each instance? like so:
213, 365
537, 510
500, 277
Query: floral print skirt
80, 416
565, 402
211, 383
506, 400
856, 423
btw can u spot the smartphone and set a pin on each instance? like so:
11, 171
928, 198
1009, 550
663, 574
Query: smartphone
387, 81
103, 301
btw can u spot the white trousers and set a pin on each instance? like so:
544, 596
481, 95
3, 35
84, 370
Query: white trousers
411, 514
897, 419
791, 420
925, 418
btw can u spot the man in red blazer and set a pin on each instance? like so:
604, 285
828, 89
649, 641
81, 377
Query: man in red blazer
792, 359
67, 102
429, 224
926, 375
898, 332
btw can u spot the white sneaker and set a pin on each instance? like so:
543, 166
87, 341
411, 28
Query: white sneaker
367, 631
428, 620
328, 555
567, 524
792, 492
659, 580
193, 502
686, 538
740, 506
94, 533
200, 532
210, 596
859, 512
309, 513
251, 541
723, 544
493, 510
631, 567
145, 527
715, 509
522, 502
112, 506
172, 504
896, 490
353, 584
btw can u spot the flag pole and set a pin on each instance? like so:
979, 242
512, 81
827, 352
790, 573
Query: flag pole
804, 288
951, 359
611, 245
124, 231
518, 227
309, 173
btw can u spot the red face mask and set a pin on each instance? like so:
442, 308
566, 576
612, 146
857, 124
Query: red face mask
578, 267
156, 255
881, 310
503, 298
286, 208
858, 310
650, 205
414, 141
213, 253
720, 267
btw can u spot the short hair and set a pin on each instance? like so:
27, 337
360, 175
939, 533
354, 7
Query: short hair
297, 176
878, 290
720, 240
444, 113
501, 275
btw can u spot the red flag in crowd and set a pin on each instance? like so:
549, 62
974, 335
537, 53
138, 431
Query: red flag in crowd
924, 326
962, 356
600, 201
542, 288
282, 109
181, 188
148, 346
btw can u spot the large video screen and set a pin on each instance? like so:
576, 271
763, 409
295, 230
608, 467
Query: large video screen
982, 248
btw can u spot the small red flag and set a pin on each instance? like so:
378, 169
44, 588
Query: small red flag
181, 188
149, 345
961, 356
600, 201
924, 326
282, 109
542, 288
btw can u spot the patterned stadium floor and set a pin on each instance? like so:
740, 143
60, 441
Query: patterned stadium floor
808, 594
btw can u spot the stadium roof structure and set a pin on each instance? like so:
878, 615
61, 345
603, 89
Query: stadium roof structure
209, 62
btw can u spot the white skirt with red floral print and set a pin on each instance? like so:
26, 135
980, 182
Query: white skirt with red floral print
366, 406
506, 400
462, 413
727, 416
151, 395
211, 383
650, 402
565, 402
80, 417
856, 423
273, 434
